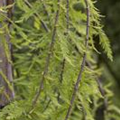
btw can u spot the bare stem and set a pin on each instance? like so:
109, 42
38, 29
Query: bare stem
82, 64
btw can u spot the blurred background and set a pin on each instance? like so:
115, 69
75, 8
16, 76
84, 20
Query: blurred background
110, 9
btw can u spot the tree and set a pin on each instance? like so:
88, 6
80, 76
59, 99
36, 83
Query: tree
55, 63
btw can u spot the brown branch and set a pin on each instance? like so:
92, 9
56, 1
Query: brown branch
82, 64
48, 57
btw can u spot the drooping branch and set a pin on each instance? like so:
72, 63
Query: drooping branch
67, 14
82, 64
48, 57
67, 29
62, 70
100, 87
37, 15
45, 8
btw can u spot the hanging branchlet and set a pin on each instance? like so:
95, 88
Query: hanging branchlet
67, 29
48, 57
45, 8
62, 70
102, 91
76, 87
37, 15
67, 14
100, 87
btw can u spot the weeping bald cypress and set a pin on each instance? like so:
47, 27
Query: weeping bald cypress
55, 61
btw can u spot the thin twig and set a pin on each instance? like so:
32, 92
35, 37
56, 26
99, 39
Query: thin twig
37, 15
67, 29
82, 64
62, 70
101, 89
45, 8
48, 57
67, 14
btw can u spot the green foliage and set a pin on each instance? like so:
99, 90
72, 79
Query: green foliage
31, 34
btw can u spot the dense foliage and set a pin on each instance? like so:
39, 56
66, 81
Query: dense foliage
54, 55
